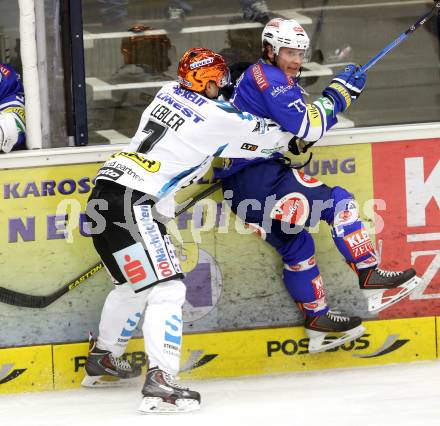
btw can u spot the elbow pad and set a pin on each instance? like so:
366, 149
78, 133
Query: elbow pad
8, 132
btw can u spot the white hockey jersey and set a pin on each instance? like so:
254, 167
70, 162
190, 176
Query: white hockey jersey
179, 135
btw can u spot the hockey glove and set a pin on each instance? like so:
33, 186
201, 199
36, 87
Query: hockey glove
8, 132
345, 88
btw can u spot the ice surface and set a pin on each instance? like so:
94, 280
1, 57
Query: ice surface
394, 395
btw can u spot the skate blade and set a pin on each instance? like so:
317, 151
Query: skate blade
378, 301
318, 342
105, 382
152, 405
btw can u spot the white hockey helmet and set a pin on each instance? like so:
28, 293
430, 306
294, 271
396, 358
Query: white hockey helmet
280, 32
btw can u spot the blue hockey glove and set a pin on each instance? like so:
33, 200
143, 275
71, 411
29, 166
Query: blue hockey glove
345, 88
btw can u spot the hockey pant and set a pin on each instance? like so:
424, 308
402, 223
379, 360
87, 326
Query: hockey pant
279, 203
162, 326
143, 264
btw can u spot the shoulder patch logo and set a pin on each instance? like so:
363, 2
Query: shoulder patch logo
259, 77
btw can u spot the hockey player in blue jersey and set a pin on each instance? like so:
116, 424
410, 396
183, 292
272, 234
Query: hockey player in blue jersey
12, 118
269, 89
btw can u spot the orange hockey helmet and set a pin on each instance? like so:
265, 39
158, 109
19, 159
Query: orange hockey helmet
198, 66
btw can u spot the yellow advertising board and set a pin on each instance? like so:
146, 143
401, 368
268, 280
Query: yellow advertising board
26, 369
278, 350
437, 328
42, 221
69, 361
268, 351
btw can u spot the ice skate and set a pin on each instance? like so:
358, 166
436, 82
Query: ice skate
163, 395
103, 369
374, 282
318, 329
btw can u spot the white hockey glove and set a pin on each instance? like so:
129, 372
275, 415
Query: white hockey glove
8, 132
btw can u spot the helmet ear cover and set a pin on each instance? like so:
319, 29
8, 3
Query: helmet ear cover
198, 66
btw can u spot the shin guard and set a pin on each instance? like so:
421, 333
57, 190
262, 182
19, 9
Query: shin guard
301, 275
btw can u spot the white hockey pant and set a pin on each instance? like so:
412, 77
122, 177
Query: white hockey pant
162, 327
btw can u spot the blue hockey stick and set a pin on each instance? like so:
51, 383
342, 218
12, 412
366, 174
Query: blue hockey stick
399, 39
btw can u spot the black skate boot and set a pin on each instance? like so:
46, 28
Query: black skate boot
317, 328
162, 394
375, 281
104, 369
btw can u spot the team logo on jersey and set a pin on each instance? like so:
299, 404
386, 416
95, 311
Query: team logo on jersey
151, 166
292, 208
249, 147
359, 243
135, 266
260, 77
306, 180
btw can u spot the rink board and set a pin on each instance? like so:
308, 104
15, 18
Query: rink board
26, 369
230, 354
280, 350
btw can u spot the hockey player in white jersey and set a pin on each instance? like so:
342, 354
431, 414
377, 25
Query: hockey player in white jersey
180, 133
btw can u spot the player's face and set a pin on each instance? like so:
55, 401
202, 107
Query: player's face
290, 60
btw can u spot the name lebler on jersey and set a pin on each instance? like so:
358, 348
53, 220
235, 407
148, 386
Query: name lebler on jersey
172, 119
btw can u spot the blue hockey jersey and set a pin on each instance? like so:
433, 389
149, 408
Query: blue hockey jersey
266, 91
12, 100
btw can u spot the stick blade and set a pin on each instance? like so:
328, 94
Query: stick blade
14, 298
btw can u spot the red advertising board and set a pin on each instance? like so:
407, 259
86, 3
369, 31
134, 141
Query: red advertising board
406, 175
